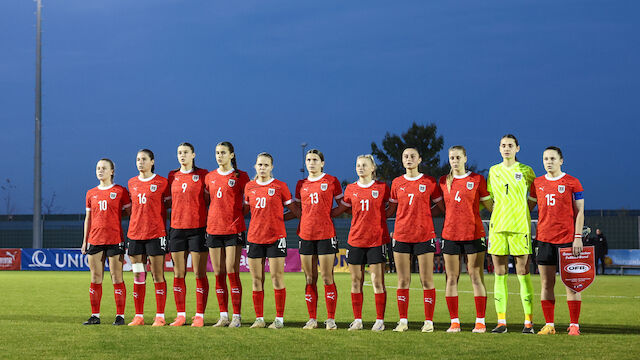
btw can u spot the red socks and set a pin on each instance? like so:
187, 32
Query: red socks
139, 292
381, 305
179, 289
221, 292
311, 298
574, 310
202, 292
258, 303
281, 297
356, 304
429, 303
331, 297
452, 304
403, 302
161, 296
120, 294
95, 296
481, 306
548, 308
236, 292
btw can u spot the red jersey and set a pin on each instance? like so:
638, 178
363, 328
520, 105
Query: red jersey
226, 191
316, 198
413, 216
556, 216
462, 219
188, 208
105, 205
148, 213
369, 221
267, 201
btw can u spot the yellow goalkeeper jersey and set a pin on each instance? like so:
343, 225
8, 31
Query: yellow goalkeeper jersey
509, 188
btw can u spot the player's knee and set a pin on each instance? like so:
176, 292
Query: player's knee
139, 273
428, 284
404, 281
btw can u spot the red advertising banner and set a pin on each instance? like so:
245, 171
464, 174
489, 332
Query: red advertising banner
10, 259
577, 272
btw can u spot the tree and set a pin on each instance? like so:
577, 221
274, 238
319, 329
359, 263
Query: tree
421, 137
50, 206
7, 189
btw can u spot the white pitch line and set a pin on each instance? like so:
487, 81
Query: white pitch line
512, 293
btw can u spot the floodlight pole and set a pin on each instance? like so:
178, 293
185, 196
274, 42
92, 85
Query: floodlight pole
37, 171
303, 145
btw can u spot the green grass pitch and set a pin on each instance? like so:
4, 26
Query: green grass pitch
41, 315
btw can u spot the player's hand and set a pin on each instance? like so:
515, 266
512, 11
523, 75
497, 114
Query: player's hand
83, 248
577, 247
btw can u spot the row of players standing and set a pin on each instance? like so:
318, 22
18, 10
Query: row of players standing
370, 202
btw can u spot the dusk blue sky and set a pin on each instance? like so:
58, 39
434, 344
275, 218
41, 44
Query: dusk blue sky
120, 75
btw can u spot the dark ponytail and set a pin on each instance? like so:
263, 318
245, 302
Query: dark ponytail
151, 156
234, 162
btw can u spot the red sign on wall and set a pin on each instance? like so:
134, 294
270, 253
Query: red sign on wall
577, 272
10, 259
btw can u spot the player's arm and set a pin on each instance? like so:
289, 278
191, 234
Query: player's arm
298, 205
342, 207
87, 226
578, 209
391, 209
294, 211
487, 203
533, 197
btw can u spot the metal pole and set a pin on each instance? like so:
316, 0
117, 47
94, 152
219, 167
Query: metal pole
37, 171
303, 145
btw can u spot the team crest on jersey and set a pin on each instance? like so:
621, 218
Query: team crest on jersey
272, 192
518, 176
113, 195
560, 189
231, 182
195, 178
422, 188
153, 188
324, 187
469, 185
375, 193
